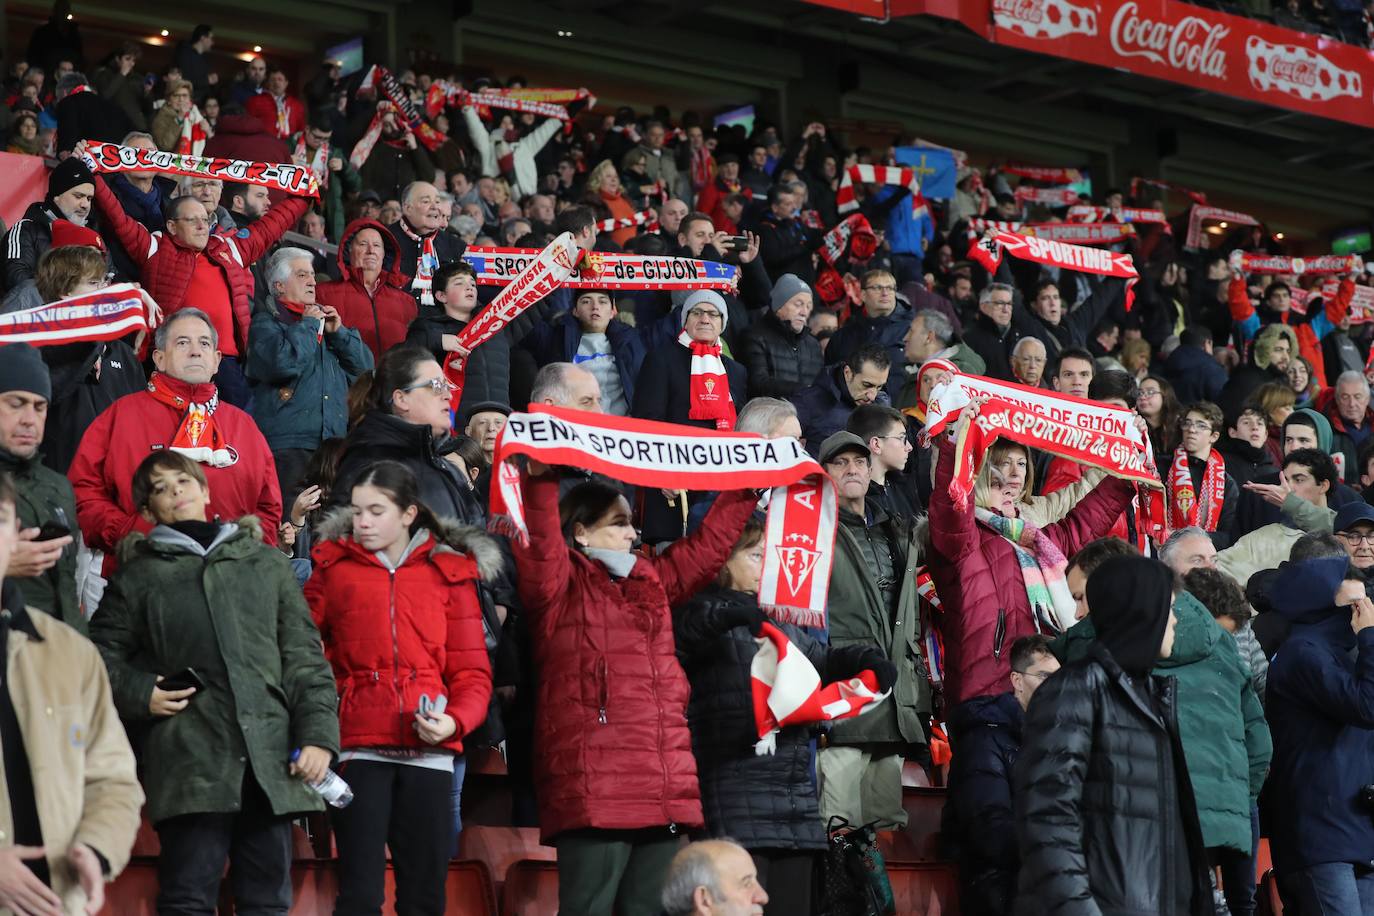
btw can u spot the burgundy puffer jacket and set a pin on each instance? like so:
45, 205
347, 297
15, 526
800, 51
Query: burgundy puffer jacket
381, 319
979, 579
167, 266
612, 748
391, 637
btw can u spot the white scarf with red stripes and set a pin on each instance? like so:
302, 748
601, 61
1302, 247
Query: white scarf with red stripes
642, 218
787, 690
846, 201
799, 536
105, 314
193, 133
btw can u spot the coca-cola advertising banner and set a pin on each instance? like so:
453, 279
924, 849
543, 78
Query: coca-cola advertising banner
1198, 47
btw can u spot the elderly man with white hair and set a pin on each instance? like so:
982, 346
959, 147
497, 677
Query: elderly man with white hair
208, 191
301, 361
424, 246
1346, 405
1028, 361
713, 878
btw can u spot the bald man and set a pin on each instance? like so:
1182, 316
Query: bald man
424, 243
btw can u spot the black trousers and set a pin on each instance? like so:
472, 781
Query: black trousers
194, 847
788, 875
408, 809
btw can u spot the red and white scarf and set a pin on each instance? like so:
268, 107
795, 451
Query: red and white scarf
1186, 507
198, 437
112, 158
363, 148
701, 168
709, 394
1047, 174
193, 133
549, 103
1081, 233
426, 262
799, 536
1361, 307
283, 116
544, 274
787, 690
1201, 213
1052, 197
1087, 213
836, 242
105, 314
318, 163
846, 200
629, 222
380, 81
988, 252
608, 270
1323, 265
1076, 428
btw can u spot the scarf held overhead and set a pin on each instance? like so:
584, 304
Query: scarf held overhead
1201, 213
787, 690
836, 242
1322, 265
1046, 174
380, 80
540, 277
1086, 213
988, 252
643, 217
846, 200
105, 314
1361, 299
799, 536
198, 437
607, 270
112, 158
1050, 197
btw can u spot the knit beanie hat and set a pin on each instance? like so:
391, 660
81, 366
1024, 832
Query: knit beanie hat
708, 297
22, 369
69, 173
787, 286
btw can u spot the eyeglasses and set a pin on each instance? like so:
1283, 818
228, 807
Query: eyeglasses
1000, 303
881, 289
193, 220
704, 313
1201, 425
1038, 675
1149, 393
437, 385
1353, 538
902, 439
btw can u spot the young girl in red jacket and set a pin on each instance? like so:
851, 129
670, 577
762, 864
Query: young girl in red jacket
394, 593
615, 777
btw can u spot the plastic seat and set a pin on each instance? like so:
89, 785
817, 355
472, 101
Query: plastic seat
498, 847
134, 892
314, 885
919, 841
531, 889
924, 889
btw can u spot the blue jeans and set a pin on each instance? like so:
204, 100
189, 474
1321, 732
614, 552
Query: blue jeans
1334, 889
460, 769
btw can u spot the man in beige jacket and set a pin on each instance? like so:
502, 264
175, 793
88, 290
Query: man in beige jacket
69, 794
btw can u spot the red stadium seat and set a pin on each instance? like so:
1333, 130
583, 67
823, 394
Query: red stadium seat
924, 889
920, 840
134, 892
498, 847
531, 889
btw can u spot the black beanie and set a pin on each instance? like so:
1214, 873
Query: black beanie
69, 173
22, 369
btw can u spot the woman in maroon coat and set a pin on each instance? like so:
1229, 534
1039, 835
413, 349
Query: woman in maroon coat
394, 594
614, 772
976, 567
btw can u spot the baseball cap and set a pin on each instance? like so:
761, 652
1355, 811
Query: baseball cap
1351, 514
838, 443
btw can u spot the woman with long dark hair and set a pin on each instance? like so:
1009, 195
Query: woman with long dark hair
394, 594
614, 770
1159, 405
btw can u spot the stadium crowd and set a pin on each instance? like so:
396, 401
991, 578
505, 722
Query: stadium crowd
250, 546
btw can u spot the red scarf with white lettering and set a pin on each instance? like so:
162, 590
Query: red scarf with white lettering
1051, 197
198, 437
988, 252
1187, 508
709, 394
1321, 265
1043, 173
799, 536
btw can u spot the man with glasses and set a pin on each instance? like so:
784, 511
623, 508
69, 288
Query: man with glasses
1354, 528
978, 813
1028, 362
1198, 490
208, 192
885, 321
189, 265
992, 334
884, 429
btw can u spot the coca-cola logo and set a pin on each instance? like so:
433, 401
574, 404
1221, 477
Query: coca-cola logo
1020, 10
1297, 72
1192, 43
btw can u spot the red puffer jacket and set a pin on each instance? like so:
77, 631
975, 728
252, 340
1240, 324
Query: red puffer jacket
391, 637
612, 748
979, 579
383, 318
167, 266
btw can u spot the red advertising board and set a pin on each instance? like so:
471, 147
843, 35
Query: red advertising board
1181, 43
26, 181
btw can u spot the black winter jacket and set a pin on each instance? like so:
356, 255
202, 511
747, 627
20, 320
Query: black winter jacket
985, 733
763, 801
380, 436
26, 241
80, 394
1105, 817
780, 362
448, 248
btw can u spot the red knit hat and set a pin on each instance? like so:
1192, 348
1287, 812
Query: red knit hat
66, 233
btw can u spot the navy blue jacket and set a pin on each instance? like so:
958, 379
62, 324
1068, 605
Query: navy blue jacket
985, 733
888, 332
1320, 705
824, 407
1195, 375
557, 342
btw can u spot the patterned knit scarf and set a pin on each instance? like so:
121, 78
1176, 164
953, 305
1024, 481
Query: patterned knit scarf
1043, 569
318, 163
710, 389
425, 265
198, 438
1188, 508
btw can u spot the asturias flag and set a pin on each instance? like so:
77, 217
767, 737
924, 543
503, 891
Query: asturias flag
934, 168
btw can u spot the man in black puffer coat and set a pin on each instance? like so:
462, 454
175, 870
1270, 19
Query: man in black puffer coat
779, 350
986, 735
1105, 816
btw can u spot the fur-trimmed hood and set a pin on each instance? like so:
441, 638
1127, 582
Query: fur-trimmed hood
455, 537
129, 544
